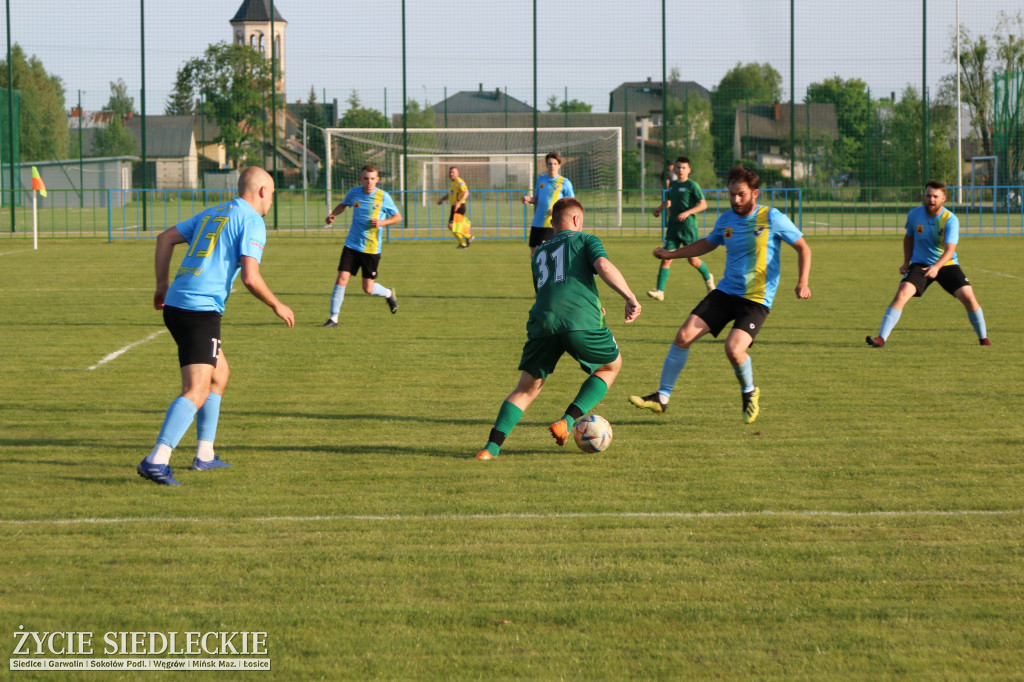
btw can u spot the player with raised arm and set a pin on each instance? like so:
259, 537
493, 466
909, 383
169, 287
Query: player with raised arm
223, 241
365, 240
567, 318
684, 200
752, 235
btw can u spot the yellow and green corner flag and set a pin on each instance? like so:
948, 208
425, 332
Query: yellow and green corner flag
37, 182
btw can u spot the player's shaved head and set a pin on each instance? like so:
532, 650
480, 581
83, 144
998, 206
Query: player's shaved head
564, 210
257, 187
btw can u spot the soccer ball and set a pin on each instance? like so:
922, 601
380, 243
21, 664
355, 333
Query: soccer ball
592, 433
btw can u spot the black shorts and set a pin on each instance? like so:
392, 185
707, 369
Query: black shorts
197, 333
717, 309
352, 260
950, 277
461, 211
539, 235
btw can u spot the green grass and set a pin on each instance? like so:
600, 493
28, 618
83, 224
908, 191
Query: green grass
867, 526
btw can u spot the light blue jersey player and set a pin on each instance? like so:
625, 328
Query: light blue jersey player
929, 255
373, 209
752, 235
550, 188
221, 243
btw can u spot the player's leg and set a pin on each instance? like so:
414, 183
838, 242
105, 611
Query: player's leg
906, 291
599, 357
955, 282
694, 328
510, 412
346, 266
702, 268
454, 227
207, 418
370, 262
736, 345
670, 243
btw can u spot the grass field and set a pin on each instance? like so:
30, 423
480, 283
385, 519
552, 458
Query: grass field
867, 526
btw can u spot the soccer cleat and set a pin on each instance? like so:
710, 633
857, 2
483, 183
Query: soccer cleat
560, 431
215, 463
392, 301
330, 323
469, 240
875, 341
652, 402
710, 282
985, 342
484, 455
751, 408
657, 295
158, 473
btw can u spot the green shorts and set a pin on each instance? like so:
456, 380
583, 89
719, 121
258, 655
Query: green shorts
592, 348
678, 234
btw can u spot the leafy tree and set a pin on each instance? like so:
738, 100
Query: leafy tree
361, 117
43, 121
120, 103
689, 135
114, 140
572, 106
234, 82
415, 117
182, 100
902, 153
313, 114
752, 83
853, 117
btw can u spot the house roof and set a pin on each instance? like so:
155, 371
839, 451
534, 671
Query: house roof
256, 10
771, 121
644, 97
166, 136
481, 102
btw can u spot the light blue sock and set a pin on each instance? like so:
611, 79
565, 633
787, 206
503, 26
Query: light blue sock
674, 363
889, 320
745, 373
977, 319
379, 290
206, 418
337, 296
176, 422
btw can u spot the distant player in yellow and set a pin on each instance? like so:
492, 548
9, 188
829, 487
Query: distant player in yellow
457, 195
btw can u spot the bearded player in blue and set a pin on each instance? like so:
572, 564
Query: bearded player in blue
752, 235
223, 241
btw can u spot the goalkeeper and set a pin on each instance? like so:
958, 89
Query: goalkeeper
457, 195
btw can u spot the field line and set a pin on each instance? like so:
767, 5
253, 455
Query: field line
127, 348
906, 513
1000, 274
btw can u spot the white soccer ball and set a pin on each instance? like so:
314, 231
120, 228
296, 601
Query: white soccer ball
592, 433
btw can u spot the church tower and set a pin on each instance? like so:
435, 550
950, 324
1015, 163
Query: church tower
251, 26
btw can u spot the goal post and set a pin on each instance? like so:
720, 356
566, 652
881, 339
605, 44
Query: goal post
494, 158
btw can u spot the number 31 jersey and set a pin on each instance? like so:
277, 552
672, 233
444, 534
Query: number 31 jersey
567, 299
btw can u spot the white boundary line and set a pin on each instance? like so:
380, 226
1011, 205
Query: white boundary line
127, 348
497, 517
1000, 274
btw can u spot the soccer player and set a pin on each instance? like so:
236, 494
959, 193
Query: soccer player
365, 240
752, 235
567, 318
550, 188
457, 195
929, 255
684, 200
222, 241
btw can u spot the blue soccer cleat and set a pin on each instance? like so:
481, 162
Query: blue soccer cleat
215, 463
158, 473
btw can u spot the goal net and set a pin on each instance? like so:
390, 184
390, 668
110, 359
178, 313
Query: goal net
491, 159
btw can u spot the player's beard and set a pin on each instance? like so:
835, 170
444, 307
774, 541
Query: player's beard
743, 209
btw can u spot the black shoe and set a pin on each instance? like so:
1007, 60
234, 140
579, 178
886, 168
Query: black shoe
392, 301
329, 323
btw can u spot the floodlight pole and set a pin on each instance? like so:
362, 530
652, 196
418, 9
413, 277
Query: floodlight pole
405, 121
142, 54
664, 91
273, 102
924, 90
10, 112
792, 99
959, 118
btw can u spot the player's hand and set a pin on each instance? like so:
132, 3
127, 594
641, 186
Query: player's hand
904, 268
932, 272
656, 213
440, 201
802, 291
374, 222
158, 299
632, 310
285, 313
329, 220
526, 200
661, 253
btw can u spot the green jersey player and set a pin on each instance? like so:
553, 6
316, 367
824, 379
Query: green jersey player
684, 200
567, 318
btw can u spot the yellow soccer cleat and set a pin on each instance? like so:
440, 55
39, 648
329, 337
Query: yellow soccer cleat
751, 408
652, 402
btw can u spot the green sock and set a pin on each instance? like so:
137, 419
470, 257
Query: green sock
704, 272
663, 274
508, 416
591, 393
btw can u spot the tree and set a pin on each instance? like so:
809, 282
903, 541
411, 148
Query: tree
744, 83
853, 117
572, 106
689, 135
182, 100
114, 140
234, 82
902, 152
361, 117
415, 117
43, 121
313, 113
120, 103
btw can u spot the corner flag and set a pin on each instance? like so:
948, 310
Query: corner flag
37, 182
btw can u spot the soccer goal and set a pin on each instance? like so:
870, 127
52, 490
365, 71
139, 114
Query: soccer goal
488, 158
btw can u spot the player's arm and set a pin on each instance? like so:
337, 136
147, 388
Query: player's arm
165, 244
702, 206
377, 222
803, 263
338, 210
253, 281
908, 251
607, 271
698, 248
441, 200
460, 200
665, 204
947, 252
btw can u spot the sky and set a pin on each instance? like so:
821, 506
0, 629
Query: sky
585, 49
